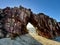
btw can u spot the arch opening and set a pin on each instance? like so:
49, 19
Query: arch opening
31, 28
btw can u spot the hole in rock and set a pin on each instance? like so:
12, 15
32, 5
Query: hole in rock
31, 28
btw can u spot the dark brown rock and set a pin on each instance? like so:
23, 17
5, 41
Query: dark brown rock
46, 26
13, 22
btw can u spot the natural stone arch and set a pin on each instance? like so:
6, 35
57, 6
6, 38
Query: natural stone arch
46, 26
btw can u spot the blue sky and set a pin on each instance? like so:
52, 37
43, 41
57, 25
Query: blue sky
49, 7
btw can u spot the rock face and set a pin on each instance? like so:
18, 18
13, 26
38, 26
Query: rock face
13, 22
46, 26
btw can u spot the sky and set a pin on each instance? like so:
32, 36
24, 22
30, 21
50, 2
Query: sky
48, 7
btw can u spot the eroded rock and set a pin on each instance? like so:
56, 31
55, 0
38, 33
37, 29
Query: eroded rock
13, 22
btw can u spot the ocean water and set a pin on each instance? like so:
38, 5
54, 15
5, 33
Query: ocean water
57, 39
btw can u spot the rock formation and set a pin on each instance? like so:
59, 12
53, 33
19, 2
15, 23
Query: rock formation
46, 26
13, 22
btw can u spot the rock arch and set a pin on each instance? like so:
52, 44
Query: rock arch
14, 22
